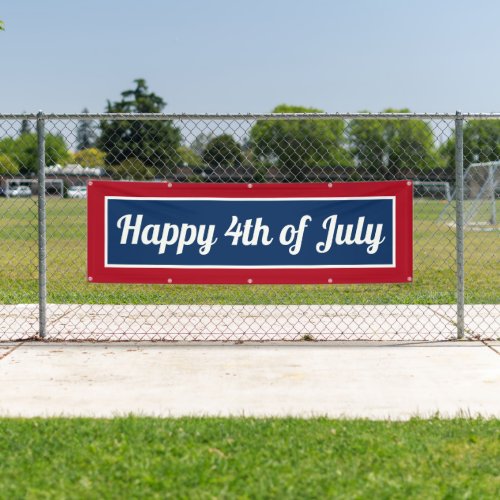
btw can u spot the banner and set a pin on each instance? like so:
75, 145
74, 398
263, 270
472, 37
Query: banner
160, 232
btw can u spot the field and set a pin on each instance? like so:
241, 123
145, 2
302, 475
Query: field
434, 264
248, 458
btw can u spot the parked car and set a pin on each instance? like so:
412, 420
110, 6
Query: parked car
19, 191
77, 192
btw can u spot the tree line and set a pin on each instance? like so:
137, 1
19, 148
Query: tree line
296, 150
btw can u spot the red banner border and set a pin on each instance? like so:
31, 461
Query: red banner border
98, 190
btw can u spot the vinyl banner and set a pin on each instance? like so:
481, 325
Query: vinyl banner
161, 232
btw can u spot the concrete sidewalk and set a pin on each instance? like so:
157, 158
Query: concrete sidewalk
394, 381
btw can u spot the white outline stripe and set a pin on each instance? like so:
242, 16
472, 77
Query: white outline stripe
305, 266
173, 266
195, 198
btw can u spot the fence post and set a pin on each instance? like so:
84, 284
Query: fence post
459, 199
42, 228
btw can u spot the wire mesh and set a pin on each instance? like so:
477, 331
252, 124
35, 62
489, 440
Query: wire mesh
233, 149
18, 229
482, 236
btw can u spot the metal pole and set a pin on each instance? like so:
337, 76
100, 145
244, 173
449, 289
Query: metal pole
42, 228
459, 198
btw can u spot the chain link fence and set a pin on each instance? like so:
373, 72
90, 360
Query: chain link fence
46, 162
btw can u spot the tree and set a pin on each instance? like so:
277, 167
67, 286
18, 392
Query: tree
369, 144
189, 157
298, 146
25, 127
393, 148
481, 143
7, 165
131, 169
200, 142
23, 150
86, 134
2, 26
153, 143
223, 152
91, 157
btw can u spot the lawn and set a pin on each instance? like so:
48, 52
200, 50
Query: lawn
434, 267
249, 458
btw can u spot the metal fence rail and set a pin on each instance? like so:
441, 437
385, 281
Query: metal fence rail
45, 159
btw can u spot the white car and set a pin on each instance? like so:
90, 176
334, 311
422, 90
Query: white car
19, 191
77, 192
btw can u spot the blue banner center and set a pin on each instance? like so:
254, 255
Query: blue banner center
274, 233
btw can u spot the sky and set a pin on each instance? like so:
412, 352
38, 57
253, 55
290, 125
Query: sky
241, 56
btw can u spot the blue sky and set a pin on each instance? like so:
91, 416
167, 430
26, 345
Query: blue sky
248, 56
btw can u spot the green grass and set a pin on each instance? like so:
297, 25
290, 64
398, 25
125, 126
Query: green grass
249, 458
434, 265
